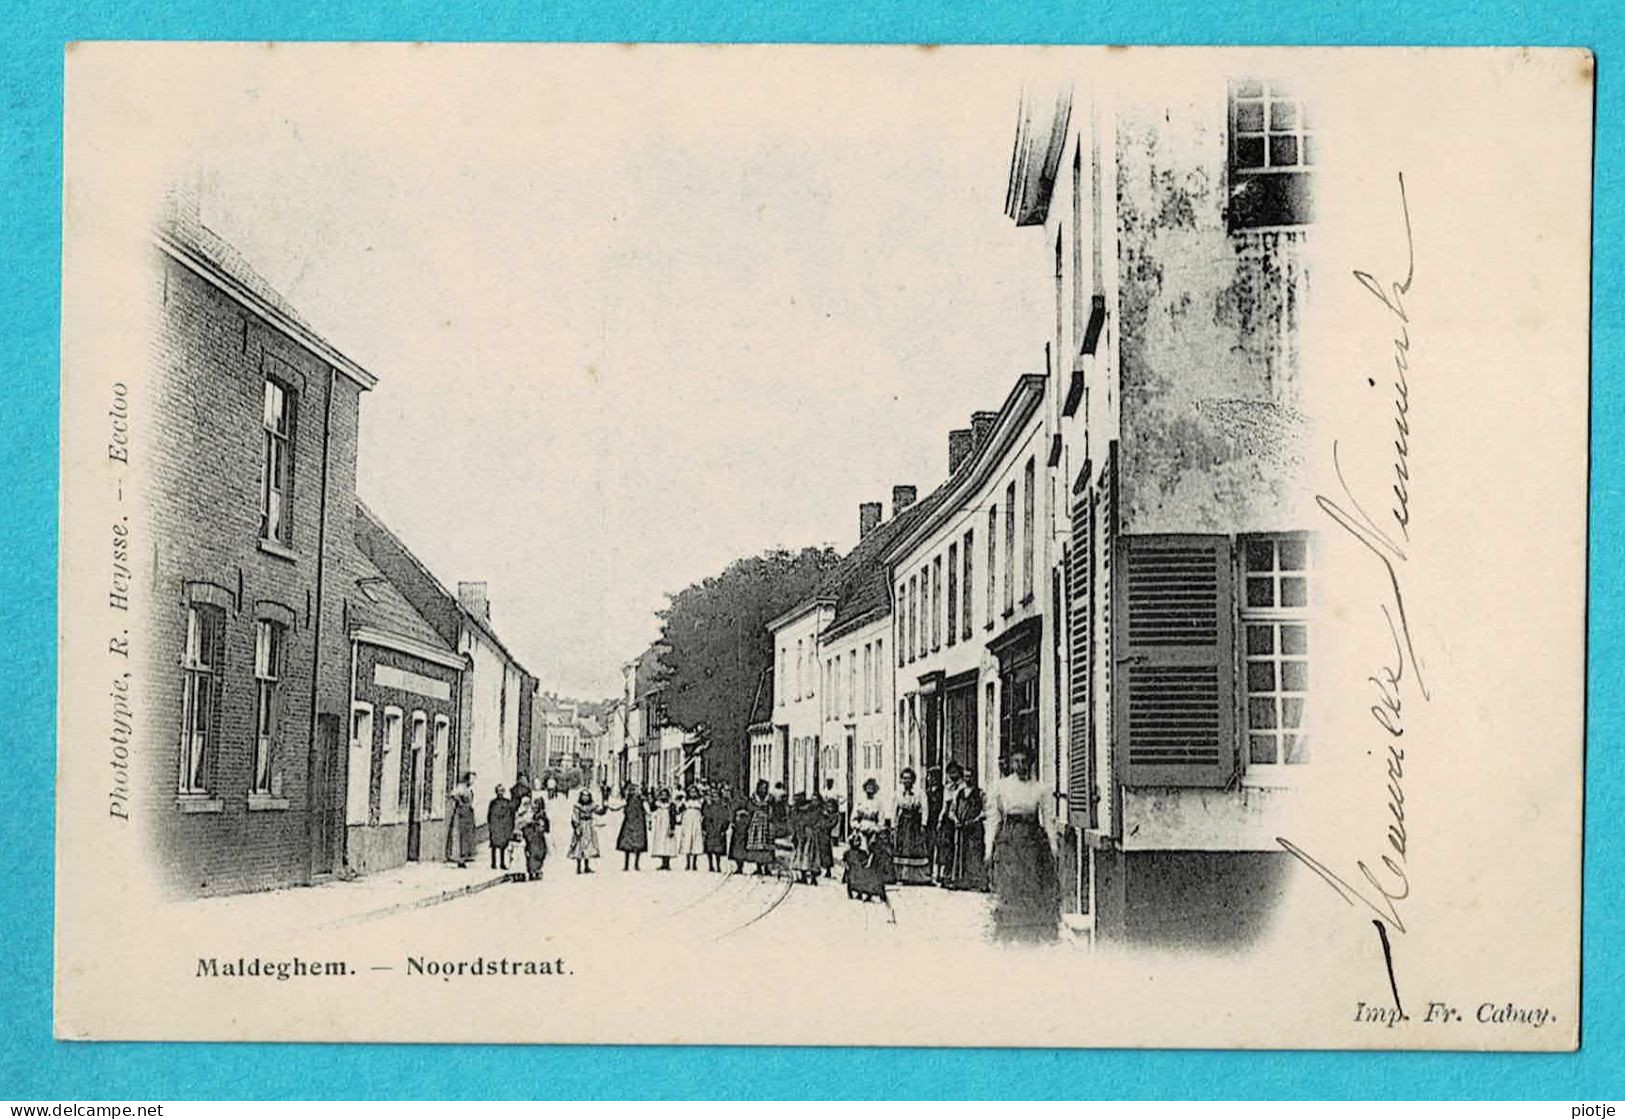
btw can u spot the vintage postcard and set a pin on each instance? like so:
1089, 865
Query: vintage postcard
823, 545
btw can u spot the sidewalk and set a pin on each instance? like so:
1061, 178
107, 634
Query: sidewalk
341, 902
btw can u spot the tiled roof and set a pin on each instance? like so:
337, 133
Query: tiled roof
376, 603
861, 583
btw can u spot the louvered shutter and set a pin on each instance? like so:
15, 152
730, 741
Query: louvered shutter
1176, 683
1080, 584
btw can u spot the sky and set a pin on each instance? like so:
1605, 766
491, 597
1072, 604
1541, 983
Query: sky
634, 312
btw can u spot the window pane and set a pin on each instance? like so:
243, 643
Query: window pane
1294, 676
1292, 555
1294, 590
1283, 151
1261, 749
1308, 151
1261, 639
1260, 592
1249, 151
1294, 640
1283, 116
1297, 749
1260, 676
1249, 116
1261, 714
1292, 713
1260, 555
1250, 88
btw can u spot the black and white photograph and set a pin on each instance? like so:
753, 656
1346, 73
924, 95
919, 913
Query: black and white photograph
823, 545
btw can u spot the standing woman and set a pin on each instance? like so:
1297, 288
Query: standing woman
633, 839
913, 855
967, 811
1026, 887
462, 820
691, 830
584, 832
759, 830
714, 813
663, 830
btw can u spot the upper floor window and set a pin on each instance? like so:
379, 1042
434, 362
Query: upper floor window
936, 603
276, 521
1010, 548
992, 577
953, 593
200, 666
1275, 598
851, 684
1029, 483
268, 645
968, 620
1272, 151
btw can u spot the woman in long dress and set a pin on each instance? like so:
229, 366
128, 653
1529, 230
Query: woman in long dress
584, 832
805, 818
499, 827
690, 830
1026, 886
913, 856
714, 813
869, 829
759, 830
739, 836
633, 839
663, 831
462, 821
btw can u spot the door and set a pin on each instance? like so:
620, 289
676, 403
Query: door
414, 806
326, 817
960, 727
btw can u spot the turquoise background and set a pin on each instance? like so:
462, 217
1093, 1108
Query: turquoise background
33, 1066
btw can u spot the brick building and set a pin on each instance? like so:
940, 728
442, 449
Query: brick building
497, 698
251, 494
405, 725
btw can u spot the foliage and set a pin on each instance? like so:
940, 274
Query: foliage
715, 641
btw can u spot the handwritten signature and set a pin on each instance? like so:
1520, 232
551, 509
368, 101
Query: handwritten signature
1387, 539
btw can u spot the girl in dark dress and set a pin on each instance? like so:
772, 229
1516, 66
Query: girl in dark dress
738, 838
633, 839
759, 834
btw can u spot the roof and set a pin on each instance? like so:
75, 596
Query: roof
378, 604
470, 619
183, 236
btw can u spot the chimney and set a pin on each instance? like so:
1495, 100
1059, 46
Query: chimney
901, 498
960, 444
868, 518
475, 600
981, 425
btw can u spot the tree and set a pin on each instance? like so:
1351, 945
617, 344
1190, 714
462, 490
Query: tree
715, 644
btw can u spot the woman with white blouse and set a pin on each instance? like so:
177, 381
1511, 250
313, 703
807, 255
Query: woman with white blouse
1026, 886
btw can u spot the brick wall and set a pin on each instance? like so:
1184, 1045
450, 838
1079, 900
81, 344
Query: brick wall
210, 359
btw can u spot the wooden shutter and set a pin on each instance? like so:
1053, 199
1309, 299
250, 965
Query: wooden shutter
1176, 684
1080, 618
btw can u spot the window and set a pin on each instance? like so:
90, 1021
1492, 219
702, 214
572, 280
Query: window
913, 617
1010, 548
801, 673
389, 765
779, 676
925, 606
968, 620
442, 764
953, 593
1027, 505
936, 603
1272, 149
868, 680
200, 665
276, 522
358, 799
1275, 631
268, 643
902, 624
880, 668
992, 564
412, 792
